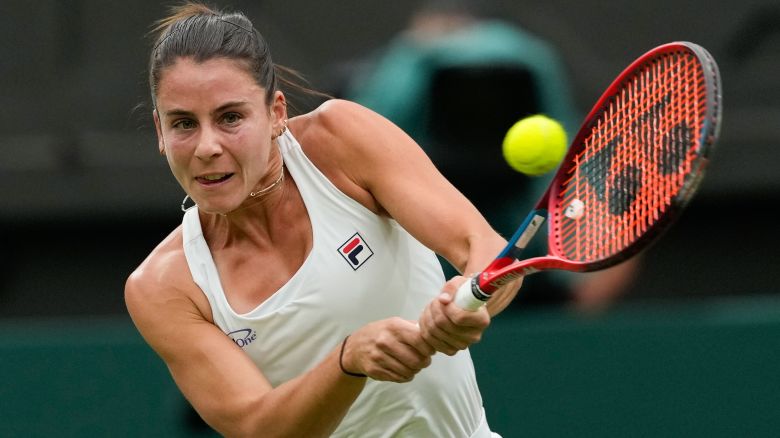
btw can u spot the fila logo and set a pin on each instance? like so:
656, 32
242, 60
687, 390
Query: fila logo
355, 251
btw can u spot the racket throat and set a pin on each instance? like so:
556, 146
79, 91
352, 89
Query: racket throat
505, 278
527, 230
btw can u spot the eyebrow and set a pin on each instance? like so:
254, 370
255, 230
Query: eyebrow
221, 108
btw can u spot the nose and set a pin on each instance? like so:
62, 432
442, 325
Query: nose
209, 144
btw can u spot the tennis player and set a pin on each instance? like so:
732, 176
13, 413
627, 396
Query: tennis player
301, 295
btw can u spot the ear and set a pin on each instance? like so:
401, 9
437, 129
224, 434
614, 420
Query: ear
279, 111
158, 128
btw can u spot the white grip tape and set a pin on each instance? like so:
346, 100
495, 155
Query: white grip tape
465, 299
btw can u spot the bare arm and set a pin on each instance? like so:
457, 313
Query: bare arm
230, 392
376, 163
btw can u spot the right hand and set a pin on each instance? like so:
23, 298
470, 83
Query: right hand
387, 350
448, 328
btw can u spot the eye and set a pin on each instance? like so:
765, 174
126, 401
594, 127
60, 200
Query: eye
231, 118
184, 124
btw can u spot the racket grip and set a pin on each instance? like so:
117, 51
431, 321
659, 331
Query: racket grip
469, 296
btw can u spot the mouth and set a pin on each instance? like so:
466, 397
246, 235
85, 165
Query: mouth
213, 178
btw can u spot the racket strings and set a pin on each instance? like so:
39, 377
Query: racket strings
634, 161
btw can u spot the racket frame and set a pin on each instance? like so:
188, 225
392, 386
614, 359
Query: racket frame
508, 267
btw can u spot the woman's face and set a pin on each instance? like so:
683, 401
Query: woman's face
215, 128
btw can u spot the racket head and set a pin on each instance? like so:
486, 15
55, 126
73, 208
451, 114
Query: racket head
636, 161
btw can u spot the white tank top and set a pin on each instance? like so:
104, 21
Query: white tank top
362, 268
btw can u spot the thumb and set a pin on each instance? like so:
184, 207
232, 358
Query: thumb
445, 297
447, 294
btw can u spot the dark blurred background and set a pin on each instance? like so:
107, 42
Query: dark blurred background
85, 194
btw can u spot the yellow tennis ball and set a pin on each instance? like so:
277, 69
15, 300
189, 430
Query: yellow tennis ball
535, 145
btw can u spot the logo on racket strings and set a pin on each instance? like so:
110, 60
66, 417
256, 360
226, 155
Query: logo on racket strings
355, 251
640, 154
575, 210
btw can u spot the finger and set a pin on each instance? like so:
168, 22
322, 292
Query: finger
397, 367
427, 329
456, 327
439, 332
444, 298
421, 347
386, 375
459, 317
459, 322
452, 285
402, 350
464, 319
414, 337
444, 343
412, 351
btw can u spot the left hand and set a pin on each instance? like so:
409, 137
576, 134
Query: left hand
448, 328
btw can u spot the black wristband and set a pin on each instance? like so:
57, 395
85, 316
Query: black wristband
341, 363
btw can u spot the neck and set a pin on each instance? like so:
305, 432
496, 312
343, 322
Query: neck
267, 189
255, 219
259, 195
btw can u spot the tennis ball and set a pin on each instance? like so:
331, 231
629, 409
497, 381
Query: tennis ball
535, 145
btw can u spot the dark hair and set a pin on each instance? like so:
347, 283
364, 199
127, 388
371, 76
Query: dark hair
198, 31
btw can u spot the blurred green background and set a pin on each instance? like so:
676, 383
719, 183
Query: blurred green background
677, 370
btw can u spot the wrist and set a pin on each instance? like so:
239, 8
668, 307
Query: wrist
341, 361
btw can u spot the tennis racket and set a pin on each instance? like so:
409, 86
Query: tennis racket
633, 166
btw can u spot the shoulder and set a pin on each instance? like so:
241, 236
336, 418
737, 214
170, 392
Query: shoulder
341, 121
346, 142
352, 133
161, 281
